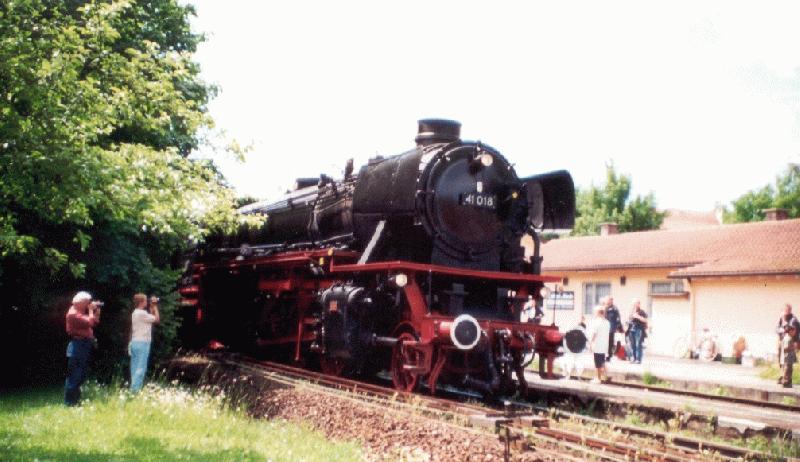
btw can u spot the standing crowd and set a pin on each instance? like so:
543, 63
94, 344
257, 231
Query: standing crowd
607, 336
82, 317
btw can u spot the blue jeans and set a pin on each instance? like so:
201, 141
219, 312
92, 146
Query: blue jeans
140, 351
637, 337
78, 353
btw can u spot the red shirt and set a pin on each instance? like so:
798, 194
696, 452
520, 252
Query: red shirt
80, 324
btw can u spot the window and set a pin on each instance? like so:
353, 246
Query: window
666, 287
670, 287
593, 292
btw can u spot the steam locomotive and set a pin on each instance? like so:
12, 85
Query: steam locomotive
414, 265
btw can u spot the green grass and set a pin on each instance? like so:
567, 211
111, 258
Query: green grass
721, 390
773, 372
650, 379
161, 423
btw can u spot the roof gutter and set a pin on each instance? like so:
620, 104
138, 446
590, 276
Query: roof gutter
712, 274
618, 266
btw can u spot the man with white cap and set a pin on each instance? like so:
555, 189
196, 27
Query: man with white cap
598, 333
82, 316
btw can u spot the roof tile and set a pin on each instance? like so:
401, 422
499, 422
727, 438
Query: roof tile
749, 248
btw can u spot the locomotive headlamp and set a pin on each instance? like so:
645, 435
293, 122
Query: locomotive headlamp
399, 279
544, 292
486, 159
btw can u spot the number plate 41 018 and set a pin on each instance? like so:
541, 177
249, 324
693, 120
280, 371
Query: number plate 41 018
486, 201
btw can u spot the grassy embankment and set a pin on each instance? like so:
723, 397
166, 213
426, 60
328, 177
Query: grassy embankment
161, 423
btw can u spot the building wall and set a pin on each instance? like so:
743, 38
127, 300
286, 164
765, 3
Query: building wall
730, 307
667, 315
671, 323
745, 306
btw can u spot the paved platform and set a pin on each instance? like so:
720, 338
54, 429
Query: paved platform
713, 378
690, 374
736, 416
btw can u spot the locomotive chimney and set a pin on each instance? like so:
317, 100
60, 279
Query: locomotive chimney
437, 131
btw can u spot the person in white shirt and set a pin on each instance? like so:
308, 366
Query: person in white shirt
598, 334
142, 320
530, 312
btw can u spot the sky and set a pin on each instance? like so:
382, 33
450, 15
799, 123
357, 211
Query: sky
697, 101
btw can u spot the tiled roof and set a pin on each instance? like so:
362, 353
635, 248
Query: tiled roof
682, 219
771, 247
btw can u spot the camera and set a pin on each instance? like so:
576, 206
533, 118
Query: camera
99, 303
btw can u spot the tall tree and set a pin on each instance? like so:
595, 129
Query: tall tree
100, 104
609, 203
785, 194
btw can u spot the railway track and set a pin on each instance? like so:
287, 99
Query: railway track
519, 425
675, 441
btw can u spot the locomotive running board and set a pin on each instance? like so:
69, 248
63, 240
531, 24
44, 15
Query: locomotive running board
399, 265
374, 240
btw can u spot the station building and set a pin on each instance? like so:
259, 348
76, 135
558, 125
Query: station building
732, 279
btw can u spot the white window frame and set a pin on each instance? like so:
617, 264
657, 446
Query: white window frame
588, 287
675, 286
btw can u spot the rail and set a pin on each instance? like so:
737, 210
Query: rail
548, 440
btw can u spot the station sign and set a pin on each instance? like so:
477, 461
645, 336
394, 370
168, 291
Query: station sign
560, 300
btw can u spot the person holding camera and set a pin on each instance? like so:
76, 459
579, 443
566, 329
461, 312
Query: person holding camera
788, 339
81, 318
637, 330
142, 320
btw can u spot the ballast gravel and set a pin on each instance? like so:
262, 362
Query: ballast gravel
386, 433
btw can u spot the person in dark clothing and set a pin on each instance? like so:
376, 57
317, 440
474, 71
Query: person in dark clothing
612, 315
788, 339
638, 329
81, 317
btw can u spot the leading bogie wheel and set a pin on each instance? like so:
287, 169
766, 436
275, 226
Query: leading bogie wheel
403, 379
